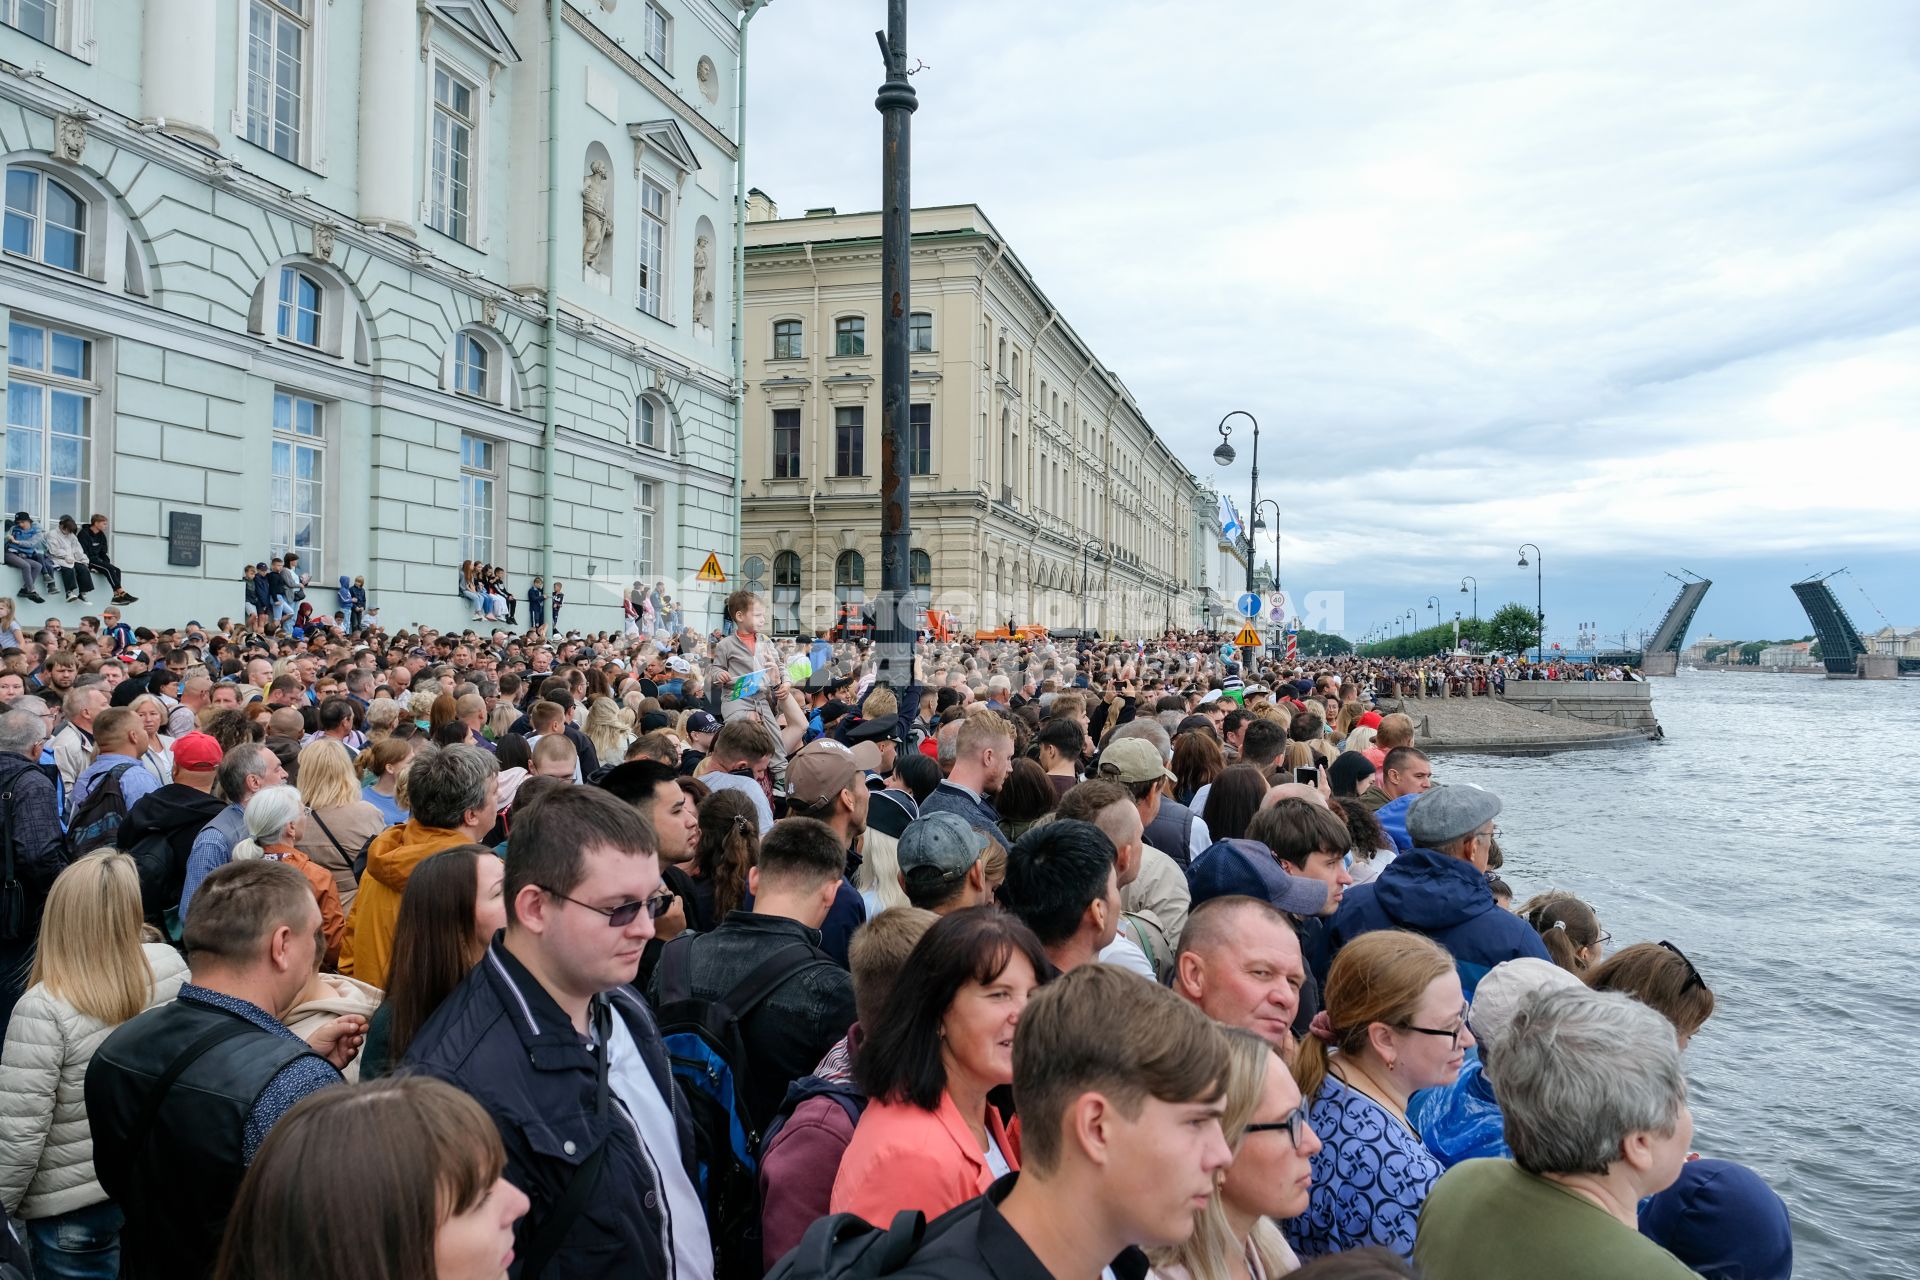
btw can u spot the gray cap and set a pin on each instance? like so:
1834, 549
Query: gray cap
1447, 813
940, 847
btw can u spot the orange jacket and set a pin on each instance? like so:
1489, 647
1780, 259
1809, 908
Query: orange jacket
906, 1157
368, 947
333, 921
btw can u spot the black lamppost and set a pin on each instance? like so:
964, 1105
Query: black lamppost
1223, 455
1539, 599
896, 102
1091, 544
1260, 522
1476, 593
1433, 603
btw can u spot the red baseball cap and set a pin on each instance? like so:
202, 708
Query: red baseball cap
196, 751
1371, 720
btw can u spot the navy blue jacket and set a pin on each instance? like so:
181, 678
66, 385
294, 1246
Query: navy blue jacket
502, 1038
1447, 900
951, 798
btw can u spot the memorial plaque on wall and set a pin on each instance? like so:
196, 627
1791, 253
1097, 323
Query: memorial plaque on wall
183, 538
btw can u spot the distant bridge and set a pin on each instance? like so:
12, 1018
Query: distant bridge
1661, 657
1841, 647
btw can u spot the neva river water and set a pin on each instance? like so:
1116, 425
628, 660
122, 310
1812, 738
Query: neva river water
1771, 837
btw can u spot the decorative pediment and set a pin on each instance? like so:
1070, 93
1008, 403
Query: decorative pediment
474, 22
664, 139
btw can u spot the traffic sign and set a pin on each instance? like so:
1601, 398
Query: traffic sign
1248, 638
710, 571
1248, 605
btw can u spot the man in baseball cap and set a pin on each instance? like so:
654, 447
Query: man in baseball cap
824, 782
1131, 760
174, 813
1439, 888
941, 865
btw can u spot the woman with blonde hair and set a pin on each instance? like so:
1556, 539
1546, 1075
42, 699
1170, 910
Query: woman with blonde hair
610, 729
501, 722
92, 972
420, 707
343, 820
276, 819
382, 715
1234, 1237
381, 766
1394, 1022
158, 757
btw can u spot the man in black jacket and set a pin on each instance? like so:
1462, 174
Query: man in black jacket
161, 826
567, 1061
34, 847
93, 541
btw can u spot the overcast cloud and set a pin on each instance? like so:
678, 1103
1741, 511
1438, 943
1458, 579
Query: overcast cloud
1637, 282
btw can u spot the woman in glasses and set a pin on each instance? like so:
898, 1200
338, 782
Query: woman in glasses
1658, 975
1394, 1023
1271, 1175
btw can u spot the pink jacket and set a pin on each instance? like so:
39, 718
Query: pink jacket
797, 1172
905, 1157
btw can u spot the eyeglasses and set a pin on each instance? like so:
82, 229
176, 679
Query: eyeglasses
1693, 975
1451, 1033
1295, 1125
623, 915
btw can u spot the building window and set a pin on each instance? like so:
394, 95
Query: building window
659, 26
299, 478
450, 172
51, 385
920, 331
37, 18
850, 336
277, 32
920, 439
786, 444
653, 247
476, 499
850, 440
469, 366
646, 423
45, 221
850, 578
786, 592
299, 307
920, 566
645, 498
786, 340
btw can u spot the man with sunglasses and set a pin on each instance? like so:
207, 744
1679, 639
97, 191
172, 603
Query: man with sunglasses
567, 1060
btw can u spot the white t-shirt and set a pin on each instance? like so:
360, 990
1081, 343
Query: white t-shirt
996, 1158
689, 1245
1126, 953
747, 787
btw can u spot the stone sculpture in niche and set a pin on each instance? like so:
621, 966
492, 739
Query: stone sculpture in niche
596, 214
703, 282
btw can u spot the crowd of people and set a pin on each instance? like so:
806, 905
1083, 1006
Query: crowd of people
480, 952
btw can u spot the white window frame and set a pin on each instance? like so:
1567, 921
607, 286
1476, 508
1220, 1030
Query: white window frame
469, 351
861, 333
477, 477
657, 30
89, 390
650, 410
36, 217
292, 440
281, 306
654, 273
72, 25
433, 211
310, 153
912, 329
646, 525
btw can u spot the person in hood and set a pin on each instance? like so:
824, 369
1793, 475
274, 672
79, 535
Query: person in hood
454, 798
1439, 888
161, 827
1723, 1221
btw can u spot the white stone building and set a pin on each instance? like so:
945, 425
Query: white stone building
283, 266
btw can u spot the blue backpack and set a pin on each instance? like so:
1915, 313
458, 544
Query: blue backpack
96, 820
709, 1060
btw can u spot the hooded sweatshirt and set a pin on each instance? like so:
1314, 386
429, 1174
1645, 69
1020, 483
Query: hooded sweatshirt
368, 947
1447, 900
177, 812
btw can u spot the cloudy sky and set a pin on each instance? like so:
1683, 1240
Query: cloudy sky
1636, 282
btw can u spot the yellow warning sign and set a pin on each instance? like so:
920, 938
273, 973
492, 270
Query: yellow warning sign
1248, 638
710, 571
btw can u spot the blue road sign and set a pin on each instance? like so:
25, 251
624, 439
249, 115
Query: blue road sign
1248, 605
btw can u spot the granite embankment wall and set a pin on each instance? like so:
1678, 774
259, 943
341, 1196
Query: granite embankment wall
1536, 720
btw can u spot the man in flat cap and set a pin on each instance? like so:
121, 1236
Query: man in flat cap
1439, 888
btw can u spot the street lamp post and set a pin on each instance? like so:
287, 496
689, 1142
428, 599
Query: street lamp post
896, 102
1259, 523
1433, 603
1476, 593
1223, 455
1539, 599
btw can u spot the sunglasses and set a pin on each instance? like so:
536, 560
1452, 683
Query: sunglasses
623, 915
1295, 1125
1693, 975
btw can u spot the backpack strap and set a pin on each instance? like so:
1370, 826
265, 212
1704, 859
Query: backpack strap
201, 1046
545, 1241
331, 838
676, 969
768, 976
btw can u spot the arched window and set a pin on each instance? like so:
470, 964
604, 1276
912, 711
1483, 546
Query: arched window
786, 592
920, 574
298, 318
646, 422
469, 366
849, 578
45, 221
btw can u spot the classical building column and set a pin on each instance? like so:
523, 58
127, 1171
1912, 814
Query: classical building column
177, 67
390, 67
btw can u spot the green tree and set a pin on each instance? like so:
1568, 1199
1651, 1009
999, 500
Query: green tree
1322, 645
1513, 628
1750, 652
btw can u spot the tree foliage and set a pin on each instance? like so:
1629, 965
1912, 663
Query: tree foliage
1322, 644
1513, 628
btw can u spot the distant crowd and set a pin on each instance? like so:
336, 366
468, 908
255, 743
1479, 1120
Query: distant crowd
340, 952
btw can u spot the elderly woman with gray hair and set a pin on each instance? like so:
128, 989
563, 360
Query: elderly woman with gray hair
1596, 1115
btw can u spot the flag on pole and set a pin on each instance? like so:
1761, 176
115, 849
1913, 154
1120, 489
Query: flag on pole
1229, 520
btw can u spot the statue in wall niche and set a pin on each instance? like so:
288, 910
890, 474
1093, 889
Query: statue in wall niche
703, 282
709, 81
69, 138
596, 213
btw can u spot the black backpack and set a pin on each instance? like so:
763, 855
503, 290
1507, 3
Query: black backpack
96, 822
844, 1246
709, 1062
